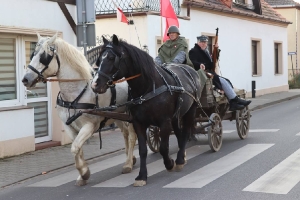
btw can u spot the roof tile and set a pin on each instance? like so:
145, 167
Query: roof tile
267, 11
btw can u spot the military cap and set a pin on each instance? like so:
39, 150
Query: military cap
202, 38
173, 29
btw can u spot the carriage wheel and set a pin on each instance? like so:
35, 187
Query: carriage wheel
153, 139
243, 122
215, 132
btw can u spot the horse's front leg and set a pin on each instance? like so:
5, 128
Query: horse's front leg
165, 131
84, 173
140, 130
130, 140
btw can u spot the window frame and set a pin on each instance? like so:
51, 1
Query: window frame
19, 72
280, 58
258, 56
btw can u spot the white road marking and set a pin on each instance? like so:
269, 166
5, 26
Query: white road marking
263, 130
218, 168
298, 134
125, 180
94, 168
229, 131
280, 179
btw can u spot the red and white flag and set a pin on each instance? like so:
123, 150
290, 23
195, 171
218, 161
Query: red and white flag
167, 11
120, 15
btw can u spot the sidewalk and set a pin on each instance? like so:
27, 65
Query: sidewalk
18, 168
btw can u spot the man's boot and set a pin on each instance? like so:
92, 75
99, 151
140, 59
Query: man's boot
233, 105
242, 101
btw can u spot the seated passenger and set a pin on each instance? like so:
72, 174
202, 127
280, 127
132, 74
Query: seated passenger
202, 59
174, 50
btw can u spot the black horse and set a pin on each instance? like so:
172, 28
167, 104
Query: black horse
164, 96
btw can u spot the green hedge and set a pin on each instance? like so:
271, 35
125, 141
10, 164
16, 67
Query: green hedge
295, 82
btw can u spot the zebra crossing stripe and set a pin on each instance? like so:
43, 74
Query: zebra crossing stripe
94, 168
280, 179
125, 180
229, 131
218, 168
263, 130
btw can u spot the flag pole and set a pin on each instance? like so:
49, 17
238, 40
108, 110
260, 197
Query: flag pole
161, 25
161, 31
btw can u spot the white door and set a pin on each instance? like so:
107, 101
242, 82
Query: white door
38, 97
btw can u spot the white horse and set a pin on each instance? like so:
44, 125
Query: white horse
55, 57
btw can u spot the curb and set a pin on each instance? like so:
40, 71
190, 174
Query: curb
274, 102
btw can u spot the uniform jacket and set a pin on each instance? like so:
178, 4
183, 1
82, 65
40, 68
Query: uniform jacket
168, 51
199, 56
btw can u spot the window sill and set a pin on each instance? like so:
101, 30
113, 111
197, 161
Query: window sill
15, 108
277, 74
256, 75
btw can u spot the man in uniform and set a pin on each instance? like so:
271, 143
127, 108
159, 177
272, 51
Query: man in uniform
174, 50
202, 59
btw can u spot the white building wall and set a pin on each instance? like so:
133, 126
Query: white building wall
134, 34
22, 18
37, 14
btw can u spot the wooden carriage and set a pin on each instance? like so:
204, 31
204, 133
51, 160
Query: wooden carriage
208, 121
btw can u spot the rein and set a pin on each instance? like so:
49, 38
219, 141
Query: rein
64, 80
126, 79
79, 79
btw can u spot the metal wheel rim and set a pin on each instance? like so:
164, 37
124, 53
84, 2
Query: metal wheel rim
153, 141
215, 133
243, 122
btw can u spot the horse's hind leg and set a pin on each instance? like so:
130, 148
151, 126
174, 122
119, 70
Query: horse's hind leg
165, 131
130, 140
188, 128
84, 173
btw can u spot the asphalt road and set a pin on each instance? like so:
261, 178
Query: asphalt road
265, 166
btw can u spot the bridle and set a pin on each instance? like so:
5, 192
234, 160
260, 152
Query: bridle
45, 61
118, 57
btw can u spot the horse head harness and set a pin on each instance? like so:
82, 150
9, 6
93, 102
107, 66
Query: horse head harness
45, 61
116, 65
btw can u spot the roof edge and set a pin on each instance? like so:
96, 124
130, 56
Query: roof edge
230, 11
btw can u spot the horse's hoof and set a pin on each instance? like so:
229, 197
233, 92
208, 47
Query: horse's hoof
172, 170
86, 175
178, 168
126, 170
133, 160
139, 183
81, 182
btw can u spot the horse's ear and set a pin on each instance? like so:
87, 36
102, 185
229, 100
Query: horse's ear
39, 36
115, 40
105, 41
52, 39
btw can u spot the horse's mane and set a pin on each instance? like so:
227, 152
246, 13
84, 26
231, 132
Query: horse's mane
74, 57
140, 59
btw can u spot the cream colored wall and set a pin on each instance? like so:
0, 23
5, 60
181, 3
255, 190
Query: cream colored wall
291, 15
112, 26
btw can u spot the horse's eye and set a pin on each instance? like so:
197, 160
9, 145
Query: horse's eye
111, 58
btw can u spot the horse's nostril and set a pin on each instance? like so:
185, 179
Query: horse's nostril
24, 80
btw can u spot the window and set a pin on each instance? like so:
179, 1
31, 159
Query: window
8, 80
210, 44
256, 57
240, 1
278, 58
